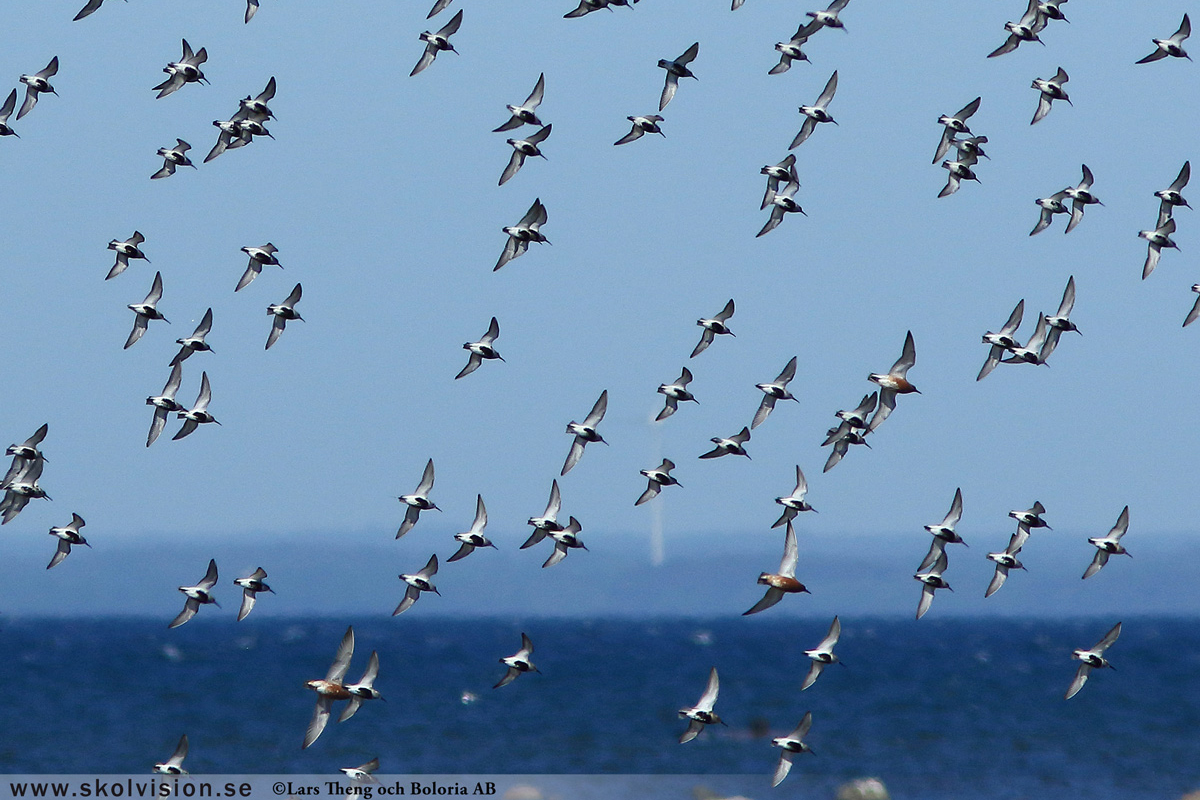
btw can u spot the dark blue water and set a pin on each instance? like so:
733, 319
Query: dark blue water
933, 708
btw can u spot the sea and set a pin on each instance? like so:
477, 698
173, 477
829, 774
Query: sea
954, 708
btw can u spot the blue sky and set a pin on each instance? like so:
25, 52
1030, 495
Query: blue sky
380, 192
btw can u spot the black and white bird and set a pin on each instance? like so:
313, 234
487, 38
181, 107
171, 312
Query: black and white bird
676, 393
165, 403
6, 111
198, 595
775, 390
1051, 89
1092, 659
522, 149
184, 71
790, 51
1081, 195
1109, 545
829, 17
783, 172
1006, 559
734, 445
259, 257
642, 126
954, 124
146, 311
130, 248
418, 583
195, 342
676, 69
525, 114
174, 764
518, 663
702, 713
1157, 239
713, 327
474, 537
657, 478
251, 585
67, 535
418, 501
1002, 341
794, 503
791, 744
281, 313
198, 414
173, 157
529, 229
1032, 22
822, 655
36, 84
783, 203
817, 112
483, 349
585, 432
437, 42
1171, 46
1172, 196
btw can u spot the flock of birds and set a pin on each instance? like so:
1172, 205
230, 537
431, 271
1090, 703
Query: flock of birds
21, 483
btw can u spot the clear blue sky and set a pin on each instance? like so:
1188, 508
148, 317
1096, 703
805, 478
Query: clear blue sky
380, 192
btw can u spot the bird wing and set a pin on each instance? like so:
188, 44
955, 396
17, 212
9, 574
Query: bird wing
1044, 104
598, 410
769, 599
508, 678
887, 404
668, 91
689, 55
937, 549
210, 576
709, 698
351, 708
926, 600
411, 515
139, 327
64, 550
438, 8
791, 553
785, 765
814, 672
635, 133
1193, 314
764, 409
535, 97
990, 364
1108, 640
463, 551
319, 719
451, 27
190, 607
188, 426
672, 405
1010, 44
410, 596
956, 508
171, 85
425, 60
341, 660
651, 492
573, 456
706, 338
248, 598
1152, 255
693, 730
1081, 676
829, 90
806, 130
560, 552
91, 6
1098, 561
278, 325
998, 579
156, 425
514, 163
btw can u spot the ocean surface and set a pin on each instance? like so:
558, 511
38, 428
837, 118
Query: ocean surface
935, 708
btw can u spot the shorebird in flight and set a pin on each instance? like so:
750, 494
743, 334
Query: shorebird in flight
642, 126
1051, 89
483, 349
1171, 46
146, 311
518, 663
524, 114
790, 51
1002, 341
522, 149
195, 342
198, 414
130, 248
36, 84
330, 688
418, 582
251, 586
894, 382
1172, 196
1032, 22
437, 42
783, 582
658, 477
585, 432
182, 72
1108, 545
67, 535
676, 393
173, 157
794, 503
713, 327
174, 764
734, 445
526, 231
822, 655
791, 744
817, 112
474, 537
418, 501
1092, 659
1007, 559
259, 257
200, 594
281, 313
954, 125
931, 581
675, 70
165, 403
702, 713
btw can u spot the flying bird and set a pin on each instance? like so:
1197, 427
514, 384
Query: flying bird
790, 51
954, 124
960, 170
783, 582
200, 594
173, 157
526, 231
483, 349
1195, 312
362, 773
1049, 207
1051, 89
22, 487
518, 663
829, 17
791, 744
474, 537
36, 84
642, 126
1032, 22
523, 148
1171, 46
182, 72
1109, 545
676, 393
944, 530
894, 382
822, 655
1039, 346
548, 521
816, 113
854, 419
174, 764
256, 107
585, 432
675, 70
165, 403
524, 114
195, 342
712, 328
5, 112
658, 477
259, 257
1007, 559
198, 414
702, 713
330, 688
364, 689
931, 581
783, 171
1092, 659
1158, 238
775, 390
418, 582
1172, 196
1081, 195
1032, 517
130, 248
565, 540
734, 445
841, 438
783, 203
281, 313
794, 503
1002, 341
67, 535
251, 586
87, 9
437, 42
438, 7
146, 311
418, 501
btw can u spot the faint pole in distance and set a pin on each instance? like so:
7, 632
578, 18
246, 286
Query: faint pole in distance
656, 516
